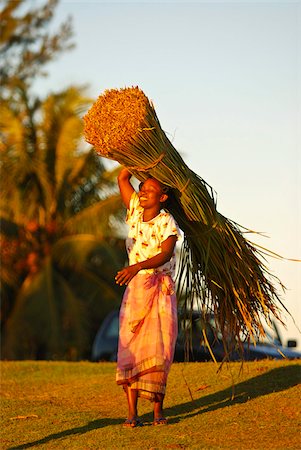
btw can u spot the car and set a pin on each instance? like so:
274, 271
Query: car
105, 344
195, 325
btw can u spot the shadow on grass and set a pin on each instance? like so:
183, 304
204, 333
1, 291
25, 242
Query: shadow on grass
94, 425
275, 380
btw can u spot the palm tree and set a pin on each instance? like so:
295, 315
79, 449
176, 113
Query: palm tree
60, 230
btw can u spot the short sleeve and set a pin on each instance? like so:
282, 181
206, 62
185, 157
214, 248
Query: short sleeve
134, 209
169, 227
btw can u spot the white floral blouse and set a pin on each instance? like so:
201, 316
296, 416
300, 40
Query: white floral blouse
145, 238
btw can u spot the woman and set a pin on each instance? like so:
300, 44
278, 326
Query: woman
148, 314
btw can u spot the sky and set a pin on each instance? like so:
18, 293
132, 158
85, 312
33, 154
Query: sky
225, 79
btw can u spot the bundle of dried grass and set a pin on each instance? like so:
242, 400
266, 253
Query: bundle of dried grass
219, 267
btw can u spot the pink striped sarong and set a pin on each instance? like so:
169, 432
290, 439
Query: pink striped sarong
148, 330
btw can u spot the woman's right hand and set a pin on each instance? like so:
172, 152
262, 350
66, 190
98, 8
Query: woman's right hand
125, 187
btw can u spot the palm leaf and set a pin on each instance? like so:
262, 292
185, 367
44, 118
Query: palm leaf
96, 218
76, 250
41, 324
48, 180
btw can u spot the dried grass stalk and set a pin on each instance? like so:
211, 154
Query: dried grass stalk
219, 267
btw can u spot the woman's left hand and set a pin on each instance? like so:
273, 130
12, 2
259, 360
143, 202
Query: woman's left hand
125, 275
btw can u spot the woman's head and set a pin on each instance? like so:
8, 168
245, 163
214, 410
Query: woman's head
152, 193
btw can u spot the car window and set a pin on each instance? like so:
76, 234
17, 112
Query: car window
196, 331
113, 328
270, 338
205, 326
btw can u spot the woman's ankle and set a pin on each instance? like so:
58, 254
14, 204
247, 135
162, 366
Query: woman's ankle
158, 411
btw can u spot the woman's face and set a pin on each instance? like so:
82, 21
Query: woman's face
150, 194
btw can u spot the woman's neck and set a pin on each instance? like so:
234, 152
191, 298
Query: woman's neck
149, 214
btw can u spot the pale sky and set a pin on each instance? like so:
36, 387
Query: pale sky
225, 79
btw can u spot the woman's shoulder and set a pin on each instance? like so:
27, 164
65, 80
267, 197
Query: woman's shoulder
167, 216
167, 220
168, 225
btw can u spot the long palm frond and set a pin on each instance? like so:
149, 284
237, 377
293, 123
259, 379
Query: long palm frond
24, 178
76, 251
53, 193
46, 301
61, 130
96, 218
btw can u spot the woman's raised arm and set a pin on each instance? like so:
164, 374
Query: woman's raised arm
125, 187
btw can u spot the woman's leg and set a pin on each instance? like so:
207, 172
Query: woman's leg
132, 398
159, 419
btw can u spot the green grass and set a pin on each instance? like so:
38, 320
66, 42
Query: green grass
64, 405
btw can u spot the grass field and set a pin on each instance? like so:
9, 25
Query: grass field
61, 405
